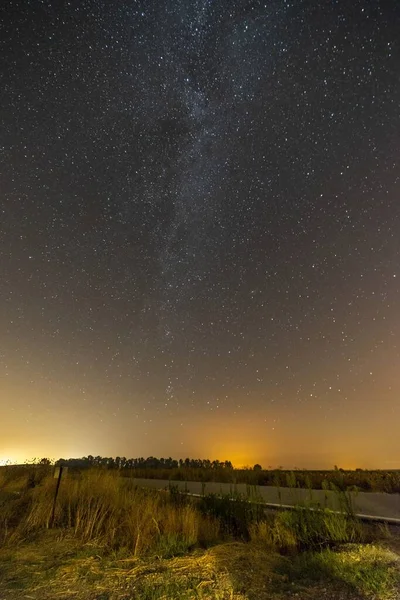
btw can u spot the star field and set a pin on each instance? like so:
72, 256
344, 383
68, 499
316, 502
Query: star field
200, 230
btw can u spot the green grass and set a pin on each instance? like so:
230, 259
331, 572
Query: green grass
369, 570
303, 528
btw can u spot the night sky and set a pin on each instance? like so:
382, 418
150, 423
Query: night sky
200, 230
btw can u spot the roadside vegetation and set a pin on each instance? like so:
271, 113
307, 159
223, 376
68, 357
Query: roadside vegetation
111, 540
205, 470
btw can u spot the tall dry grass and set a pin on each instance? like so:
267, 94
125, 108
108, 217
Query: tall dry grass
106, 509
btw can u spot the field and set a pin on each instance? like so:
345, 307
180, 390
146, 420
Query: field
366, 481
108, 540
223, 472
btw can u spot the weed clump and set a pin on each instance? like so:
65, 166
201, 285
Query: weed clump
304, 528
235, 514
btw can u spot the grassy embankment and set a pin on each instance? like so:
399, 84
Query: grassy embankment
113, 541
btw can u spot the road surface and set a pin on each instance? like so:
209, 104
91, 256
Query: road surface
369, 504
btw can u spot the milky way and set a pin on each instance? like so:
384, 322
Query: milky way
200, 231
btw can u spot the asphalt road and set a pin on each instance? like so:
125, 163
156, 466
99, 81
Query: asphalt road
373, 504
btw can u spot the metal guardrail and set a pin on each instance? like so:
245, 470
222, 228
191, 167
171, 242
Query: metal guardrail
278, 506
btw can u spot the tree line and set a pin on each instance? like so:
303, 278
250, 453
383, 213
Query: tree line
151, 462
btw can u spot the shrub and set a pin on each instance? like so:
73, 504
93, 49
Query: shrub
304, 527
235, 514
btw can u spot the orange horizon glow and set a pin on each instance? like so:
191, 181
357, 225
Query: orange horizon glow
238, 462
292, 436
